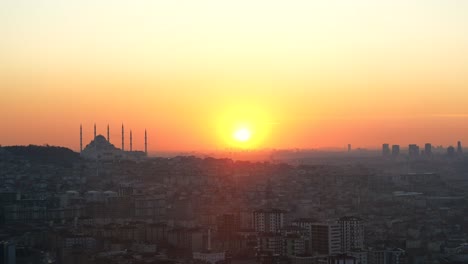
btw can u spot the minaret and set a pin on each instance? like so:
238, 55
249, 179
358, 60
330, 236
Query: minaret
131, 141
94, 130
146, 144
108, 134
81, 138
123, 133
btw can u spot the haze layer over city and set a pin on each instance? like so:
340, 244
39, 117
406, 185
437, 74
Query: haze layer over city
219, 132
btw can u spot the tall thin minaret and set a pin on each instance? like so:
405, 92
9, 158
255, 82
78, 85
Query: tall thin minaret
123, 133
146, 144
94, 130
108, 134
131, 141
81, 138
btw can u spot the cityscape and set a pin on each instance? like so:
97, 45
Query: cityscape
233, 132
116, 205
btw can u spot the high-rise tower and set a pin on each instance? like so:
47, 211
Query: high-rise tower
108, 134
94, 130
386, 150
413, 151
123, 141
395, 150
428, 150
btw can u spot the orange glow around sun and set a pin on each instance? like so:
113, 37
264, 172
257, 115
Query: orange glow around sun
244, 127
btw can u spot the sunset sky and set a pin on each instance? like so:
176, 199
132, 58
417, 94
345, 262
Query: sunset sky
297, 74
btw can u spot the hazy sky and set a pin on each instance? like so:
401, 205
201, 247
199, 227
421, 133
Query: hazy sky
298, 73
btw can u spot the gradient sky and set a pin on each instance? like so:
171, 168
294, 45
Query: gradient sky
301, 73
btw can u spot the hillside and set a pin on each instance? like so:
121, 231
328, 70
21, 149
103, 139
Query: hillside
42, 154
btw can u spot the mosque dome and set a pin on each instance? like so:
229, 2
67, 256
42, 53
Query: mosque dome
100, 148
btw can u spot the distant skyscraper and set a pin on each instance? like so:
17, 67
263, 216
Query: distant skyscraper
108, 133
395, 150
385, 150
413, 151
428, 149
451, 152
349, 147
459, 148
94, 131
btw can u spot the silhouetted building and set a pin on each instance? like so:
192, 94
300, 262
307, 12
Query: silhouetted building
349, 147
451, 152
385, 150
459, 148
428, 150
395, 150
101, 149
413, 151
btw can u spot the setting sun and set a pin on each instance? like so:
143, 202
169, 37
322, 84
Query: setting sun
245, 126
242, 135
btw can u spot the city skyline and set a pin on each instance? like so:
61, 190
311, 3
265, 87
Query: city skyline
302, 75
123, 135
